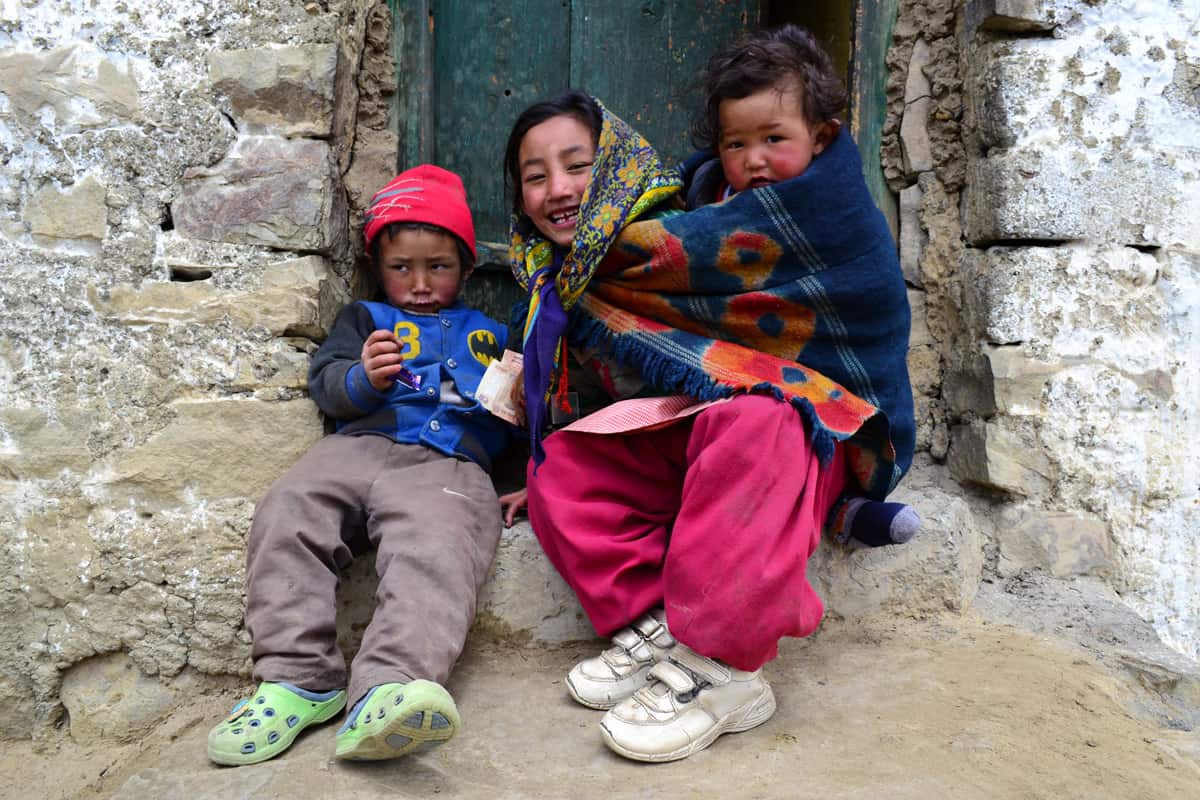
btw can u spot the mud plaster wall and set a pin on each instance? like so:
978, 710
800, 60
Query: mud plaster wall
1045, 154
174, 207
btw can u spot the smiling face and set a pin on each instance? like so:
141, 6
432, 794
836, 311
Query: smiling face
555, 161
420, 270
766, 139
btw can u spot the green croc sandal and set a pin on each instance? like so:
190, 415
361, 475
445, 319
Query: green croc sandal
266, 724
395, 719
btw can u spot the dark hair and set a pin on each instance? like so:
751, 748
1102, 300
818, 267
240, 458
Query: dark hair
766, 59
466, 260
574, 103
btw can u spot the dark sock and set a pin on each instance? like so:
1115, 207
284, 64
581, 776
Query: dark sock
875, 524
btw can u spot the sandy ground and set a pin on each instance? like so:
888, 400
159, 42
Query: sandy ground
955, 707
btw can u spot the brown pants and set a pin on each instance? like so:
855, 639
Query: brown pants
434, 522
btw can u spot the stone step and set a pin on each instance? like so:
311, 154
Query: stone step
951, 706
525, 599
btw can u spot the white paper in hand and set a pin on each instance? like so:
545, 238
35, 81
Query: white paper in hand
495, 389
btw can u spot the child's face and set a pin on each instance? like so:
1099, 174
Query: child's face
555, 159
766, 139
420, 270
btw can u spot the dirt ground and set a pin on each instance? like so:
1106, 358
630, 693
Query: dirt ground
957, 706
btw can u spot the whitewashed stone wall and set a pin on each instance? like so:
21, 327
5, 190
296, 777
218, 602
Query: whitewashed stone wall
173, 238
1047, 153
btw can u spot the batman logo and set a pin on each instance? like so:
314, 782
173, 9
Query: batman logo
483, 346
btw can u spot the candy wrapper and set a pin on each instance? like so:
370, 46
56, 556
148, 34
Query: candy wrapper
408, 378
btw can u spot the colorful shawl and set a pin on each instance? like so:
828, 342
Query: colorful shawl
628, 180
792, 289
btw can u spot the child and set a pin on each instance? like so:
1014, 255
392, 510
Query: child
406, 473
698, 511
770, 109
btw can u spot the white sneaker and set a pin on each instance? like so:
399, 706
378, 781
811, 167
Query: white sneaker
621, 670
692, 701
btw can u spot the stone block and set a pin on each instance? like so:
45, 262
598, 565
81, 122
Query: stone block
913, 237
939, 569
1009, 85
919, 331
109, 699
924, 369
915, 145
72, 213
374, 163
282, 363
968, 388
1002, 288
1003, 379
1012, 16
44, 442
1063, 544
282, 89
298, 296
1018, 381
1062, 122
1040, 193
1064, 302
1000, 455
1024, 195
525, 597
80, 83
16, 708
219, 448
268, 191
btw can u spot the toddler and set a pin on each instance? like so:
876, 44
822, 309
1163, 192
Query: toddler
405, 473
770, 109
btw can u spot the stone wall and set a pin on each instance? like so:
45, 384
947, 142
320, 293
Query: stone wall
173, 242
178, 183
1046, 155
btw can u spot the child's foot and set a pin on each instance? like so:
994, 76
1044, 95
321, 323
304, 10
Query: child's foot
691, 702
621, 670
265, 724
394, 719
875, 524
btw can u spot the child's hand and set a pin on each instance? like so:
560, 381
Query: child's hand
381, 359
512, 504
516, 396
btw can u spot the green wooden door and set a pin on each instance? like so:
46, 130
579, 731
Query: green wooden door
490, 59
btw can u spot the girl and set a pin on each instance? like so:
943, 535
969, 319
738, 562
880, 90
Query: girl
684, 522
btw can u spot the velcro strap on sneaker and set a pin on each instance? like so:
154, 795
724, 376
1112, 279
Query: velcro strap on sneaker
706, 669
654, 630
633, 644
627, 638
678, 680
648, 626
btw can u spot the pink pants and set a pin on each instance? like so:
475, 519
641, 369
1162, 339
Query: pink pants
713, 517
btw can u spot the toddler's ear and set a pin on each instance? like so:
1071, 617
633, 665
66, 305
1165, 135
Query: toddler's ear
824, 135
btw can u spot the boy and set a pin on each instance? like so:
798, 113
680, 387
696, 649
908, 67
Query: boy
770, 109
406, 473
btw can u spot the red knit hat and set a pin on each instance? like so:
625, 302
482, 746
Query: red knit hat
426, 194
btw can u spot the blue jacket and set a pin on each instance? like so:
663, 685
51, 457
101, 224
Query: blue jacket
454, 345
